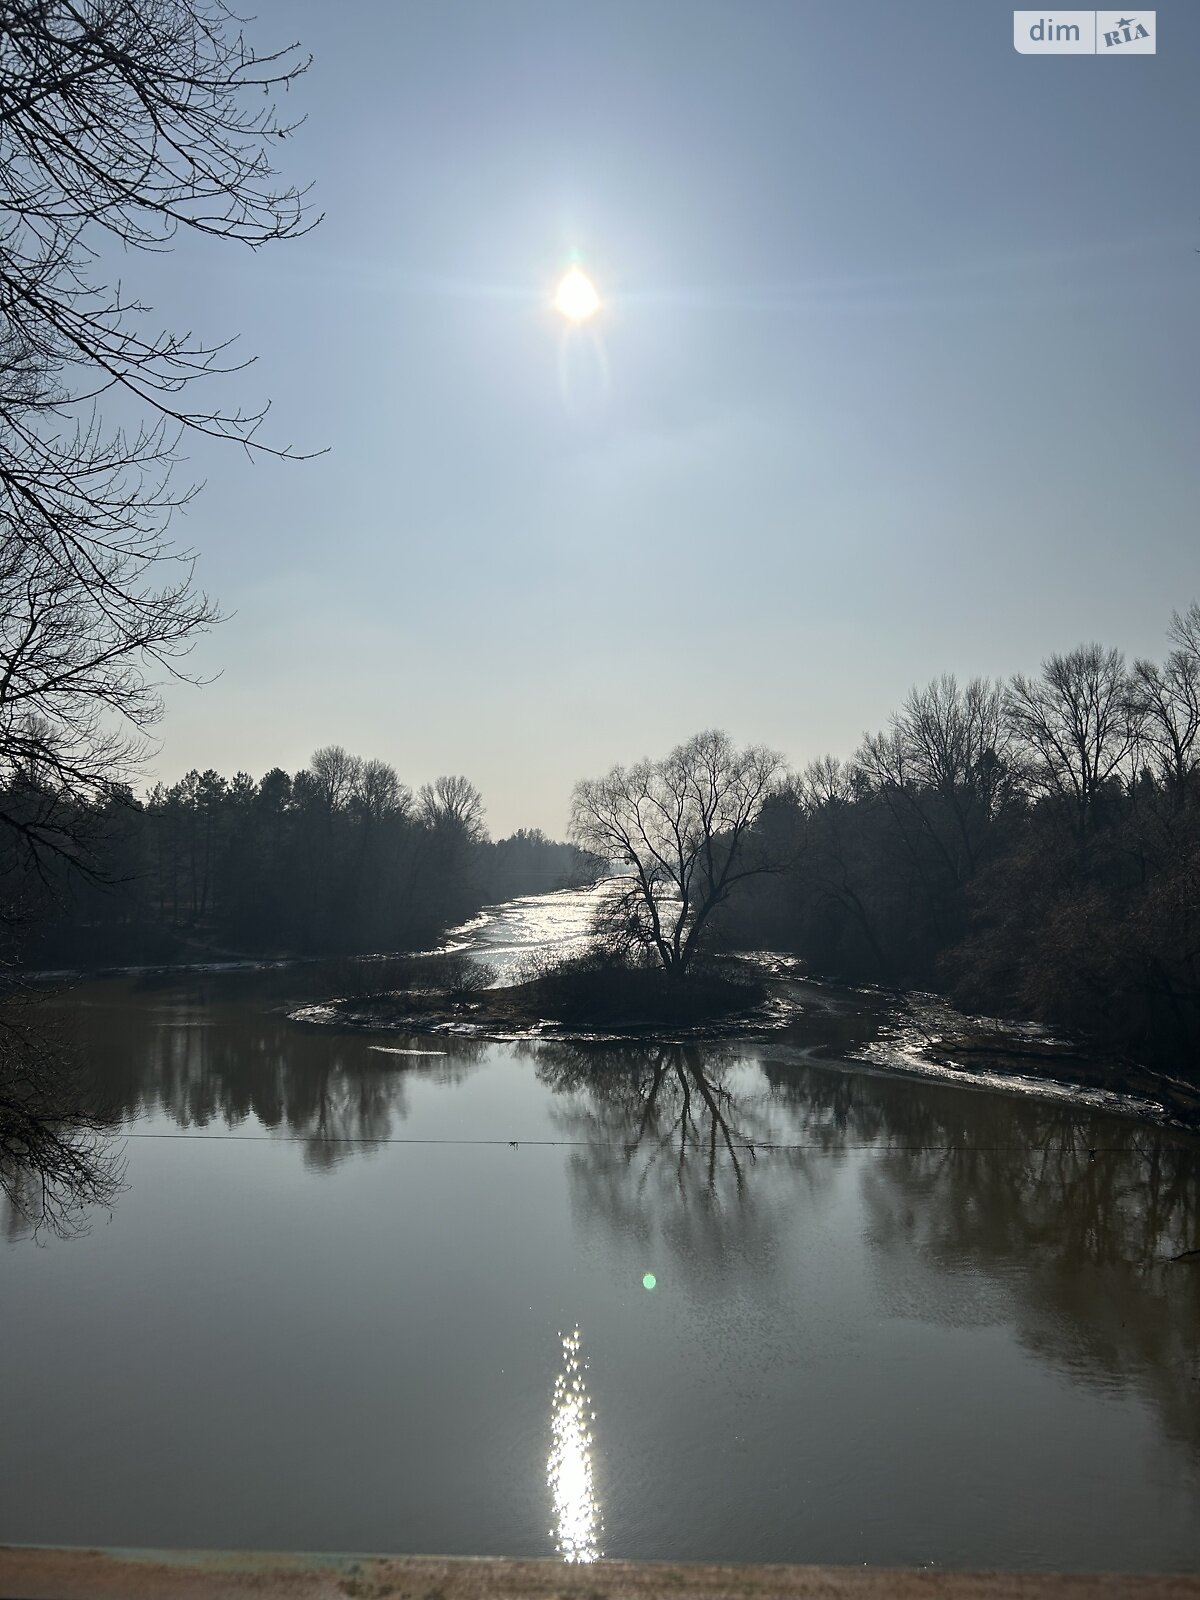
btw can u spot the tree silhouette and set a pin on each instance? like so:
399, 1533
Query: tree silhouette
120, 125
58, 1160
685, 827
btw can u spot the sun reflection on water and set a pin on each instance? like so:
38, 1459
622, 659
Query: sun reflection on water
569, 1468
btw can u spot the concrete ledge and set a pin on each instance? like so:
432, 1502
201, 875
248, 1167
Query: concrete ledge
29, 1573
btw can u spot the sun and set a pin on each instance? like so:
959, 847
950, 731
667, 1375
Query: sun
576, 296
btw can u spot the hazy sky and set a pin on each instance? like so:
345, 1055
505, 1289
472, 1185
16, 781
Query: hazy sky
897, 374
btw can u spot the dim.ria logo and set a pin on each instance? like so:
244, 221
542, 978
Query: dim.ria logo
1084, 33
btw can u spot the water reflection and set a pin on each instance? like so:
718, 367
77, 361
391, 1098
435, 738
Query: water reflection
984, 1209
978, 1209
670, 1102
551, 926
670, 1151
57, 1162
820, 1238
569, 1468
209, 1054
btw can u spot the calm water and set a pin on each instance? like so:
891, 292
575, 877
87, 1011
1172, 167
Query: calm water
336, 1305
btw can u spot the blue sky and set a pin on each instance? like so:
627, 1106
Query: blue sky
896, 374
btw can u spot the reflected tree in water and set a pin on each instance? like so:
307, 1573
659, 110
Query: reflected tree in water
664, 1101
1042, 1215
58, 1161
980, 1208
671, 1152
337, 1095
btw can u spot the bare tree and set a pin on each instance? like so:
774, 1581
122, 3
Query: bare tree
684, 826
957, 743
57, 1158
1166, 701
121, 122
669, 1102
380, 794
336, 776
453, 804
832, 857
72, 694
1076, 724
943, 773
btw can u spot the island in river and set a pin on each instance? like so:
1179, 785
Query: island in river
482, 984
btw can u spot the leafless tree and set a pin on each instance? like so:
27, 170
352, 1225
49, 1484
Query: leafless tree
72, 692
831, 857
957, 743
943, 770
1166, 701
336, 776
453, 804
669, 1103
121, 122
58, 1160
380, 794
1076, 724
684, 826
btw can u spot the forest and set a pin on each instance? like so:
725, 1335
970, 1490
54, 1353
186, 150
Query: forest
1030, 847
339, 857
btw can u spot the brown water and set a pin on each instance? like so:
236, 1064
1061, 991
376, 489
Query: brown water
334, 1307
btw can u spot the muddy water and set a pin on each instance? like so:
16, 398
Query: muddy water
408, 1294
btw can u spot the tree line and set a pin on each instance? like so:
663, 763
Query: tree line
1030, 846
341, 856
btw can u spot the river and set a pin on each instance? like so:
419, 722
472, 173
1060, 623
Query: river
413, 1293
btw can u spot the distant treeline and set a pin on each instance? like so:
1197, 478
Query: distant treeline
1032, 847
341, 856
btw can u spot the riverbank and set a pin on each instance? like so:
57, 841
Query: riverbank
926, 1035
760, 999
521, 970
575, 999
39, 1574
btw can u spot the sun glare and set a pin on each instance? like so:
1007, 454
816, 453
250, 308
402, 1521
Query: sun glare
570, 1464
576, 297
